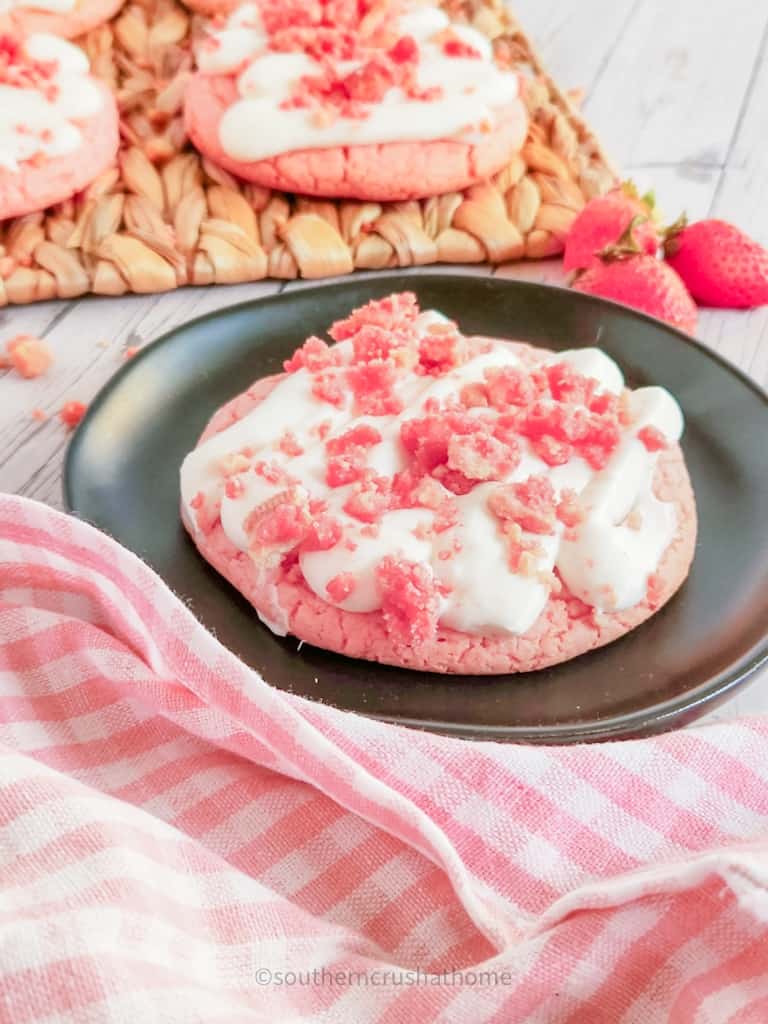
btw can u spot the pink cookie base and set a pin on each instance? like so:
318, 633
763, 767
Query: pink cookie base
86, 15
387, 172
37, 186
210, 8
555, 637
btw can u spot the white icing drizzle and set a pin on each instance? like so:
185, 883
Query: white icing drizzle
35, 122
474, 90
395, 534
606, 562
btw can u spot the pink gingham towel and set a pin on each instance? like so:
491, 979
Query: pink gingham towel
181, 842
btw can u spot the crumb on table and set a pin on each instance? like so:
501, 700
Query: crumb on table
28, 355
71, 413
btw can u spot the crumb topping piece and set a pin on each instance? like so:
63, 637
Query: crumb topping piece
410, 599
20, 71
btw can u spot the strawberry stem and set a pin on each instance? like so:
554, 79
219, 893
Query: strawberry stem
626, 245
649, 199
670, 237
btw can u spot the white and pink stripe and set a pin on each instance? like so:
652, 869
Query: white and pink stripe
173, 831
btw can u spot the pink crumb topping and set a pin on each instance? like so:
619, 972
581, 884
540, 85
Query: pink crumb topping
234, 487
473, 396
457, 442
323, 534
345, 469
289, 446
458, 48
653, 439
347, 454
530, 504
441, 350
329, 387
341, 586
570, 511
507, 386
286, 523
361, 436
274, 473
566, 385
395, 311
372, 385
314, 355
410, 599
21, 71
482, 457
370, 499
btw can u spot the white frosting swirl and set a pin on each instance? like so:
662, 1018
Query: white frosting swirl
606, 561
255, 127
41, 121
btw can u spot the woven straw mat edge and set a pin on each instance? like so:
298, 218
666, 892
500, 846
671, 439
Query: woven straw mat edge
165, 217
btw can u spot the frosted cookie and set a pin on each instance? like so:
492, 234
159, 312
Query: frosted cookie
412, 496
65, 18
365, 101
58, 124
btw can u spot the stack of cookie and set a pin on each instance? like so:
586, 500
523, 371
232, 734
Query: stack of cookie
375, 100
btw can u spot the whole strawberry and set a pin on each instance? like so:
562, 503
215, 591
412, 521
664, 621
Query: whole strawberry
719, 263
645, 283
604, 220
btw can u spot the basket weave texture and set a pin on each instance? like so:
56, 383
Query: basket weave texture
165, 217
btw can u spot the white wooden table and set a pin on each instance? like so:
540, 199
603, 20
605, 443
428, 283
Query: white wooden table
678, 93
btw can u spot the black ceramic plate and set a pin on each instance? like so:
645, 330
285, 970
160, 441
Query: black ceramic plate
122, 475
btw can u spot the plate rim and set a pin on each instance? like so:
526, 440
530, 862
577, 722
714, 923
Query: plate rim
651, 719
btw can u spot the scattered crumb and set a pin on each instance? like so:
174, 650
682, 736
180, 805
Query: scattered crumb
40, 415
102, 344
28, 355
130, 352
71, 413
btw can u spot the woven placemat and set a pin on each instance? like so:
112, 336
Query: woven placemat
165, 217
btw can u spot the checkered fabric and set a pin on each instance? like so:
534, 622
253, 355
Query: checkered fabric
180, 842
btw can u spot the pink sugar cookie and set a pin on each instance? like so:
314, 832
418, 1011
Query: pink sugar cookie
565, 629
385, 172
210, 8
85, 15
41, 183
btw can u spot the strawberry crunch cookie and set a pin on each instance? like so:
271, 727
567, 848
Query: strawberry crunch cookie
353, 98
454, 504
66, 18
58, 124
